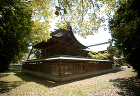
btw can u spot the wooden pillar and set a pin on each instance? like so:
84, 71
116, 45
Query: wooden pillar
85, 67
74, 67
81, 68
60, 68
110, 65
68, 68
64, 69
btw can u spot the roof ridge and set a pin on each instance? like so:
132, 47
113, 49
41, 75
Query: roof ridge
59, 33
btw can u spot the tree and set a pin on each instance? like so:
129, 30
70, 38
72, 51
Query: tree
42, 15
101, 55
15, 31
125, 31
117, 54
85, 16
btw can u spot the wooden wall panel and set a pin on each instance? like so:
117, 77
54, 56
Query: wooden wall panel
64, 67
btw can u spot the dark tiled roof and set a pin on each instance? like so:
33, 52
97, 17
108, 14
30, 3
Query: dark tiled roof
59, 33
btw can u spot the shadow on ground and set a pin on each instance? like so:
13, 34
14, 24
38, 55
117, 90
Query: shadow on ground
129, 86
49, 83
7, 86
3, 75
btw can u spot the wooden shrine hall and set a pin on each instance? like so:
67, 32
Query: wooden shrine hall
64, 58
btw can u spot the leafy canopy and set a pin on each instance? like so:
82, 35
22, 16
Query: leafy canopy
125, 31
15, 31
85, 16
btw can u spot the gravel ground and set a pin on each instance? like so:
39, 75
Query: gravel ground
123, 86
118, 83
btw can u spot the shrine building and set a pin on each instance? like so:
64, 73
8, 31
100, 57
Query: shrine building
65, 58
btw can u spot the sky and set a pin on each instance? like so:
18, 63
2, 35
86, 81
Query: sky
100, 37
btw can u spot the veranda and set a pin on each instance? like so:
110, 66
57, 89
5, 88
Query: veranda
62, 66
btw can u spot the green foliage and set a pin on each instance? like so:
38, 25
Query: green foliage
117, 53
15, 31
99, 55
42, 15
32, 57
85, 16
15, 69
125, 31
18, 57
112, 50
40, 32
35, 54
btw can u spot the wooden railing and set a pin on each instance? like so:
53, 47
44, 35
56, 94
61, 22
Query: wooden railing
65, 67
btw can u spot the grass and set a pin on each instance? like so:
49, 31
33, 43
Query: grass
15, 83
15, 69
